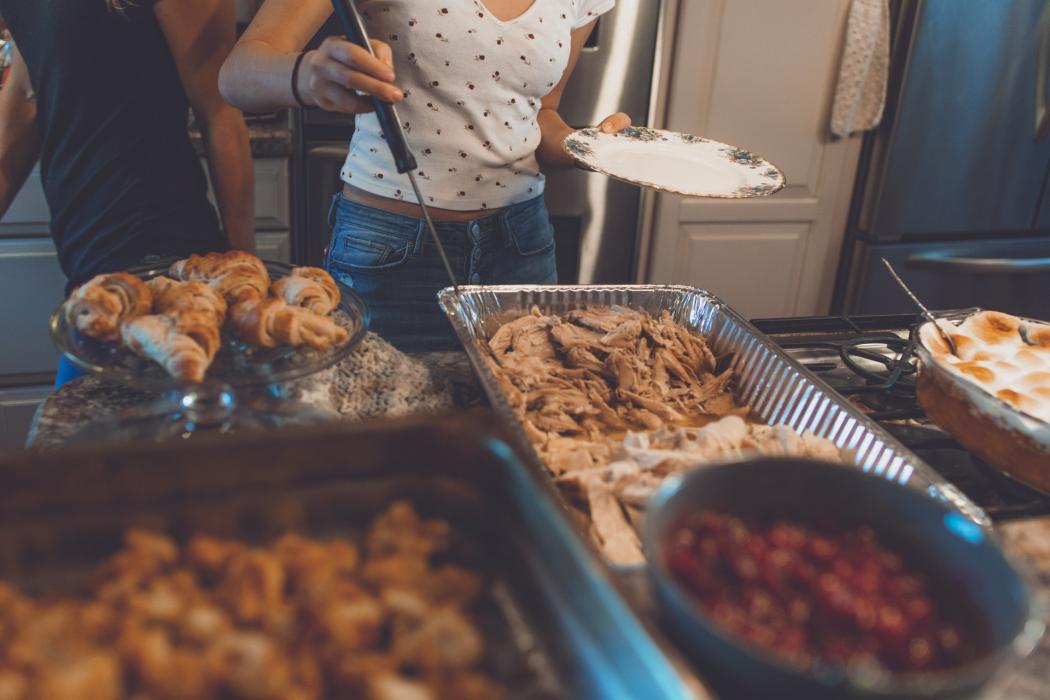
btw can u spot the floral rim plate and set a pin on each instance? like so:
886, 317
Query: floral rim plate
669, 161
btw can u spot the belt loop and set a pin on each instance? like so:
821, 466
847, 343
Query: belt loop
421, 232
504, 224
333, 210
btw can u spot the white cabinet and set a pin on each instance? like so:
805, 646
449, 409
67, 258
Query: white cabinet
17, 408
32, 288
272, 202
759, 74
272, 208
28, 214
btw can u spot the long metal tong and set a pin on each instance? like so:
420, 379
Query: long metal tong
390, 123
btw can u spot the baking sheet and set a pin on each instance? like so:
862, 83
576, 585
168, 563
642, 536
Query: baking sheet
775, 387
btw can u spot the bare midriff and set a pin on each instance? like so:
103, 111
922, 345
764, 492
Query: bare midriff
396, 206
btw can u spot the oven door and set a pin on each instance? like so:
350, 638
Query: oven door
1011, 275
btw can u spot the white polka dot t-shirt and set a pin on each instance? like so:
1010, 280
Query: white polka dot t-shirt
473, 85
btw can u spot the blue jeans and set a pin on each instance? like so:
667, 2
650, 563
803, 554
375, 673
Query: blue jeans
391, 262
67, 372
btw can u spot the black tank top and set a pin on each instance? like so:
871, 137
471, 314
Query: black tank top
119, 171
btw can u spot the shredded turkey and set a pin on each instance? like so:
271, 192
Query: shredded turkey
580, 381
615, 400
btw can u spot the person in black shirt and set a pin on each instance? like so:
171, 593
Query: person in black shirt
100, 92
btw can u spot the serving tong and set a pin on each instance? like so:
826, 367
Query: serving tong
390, 123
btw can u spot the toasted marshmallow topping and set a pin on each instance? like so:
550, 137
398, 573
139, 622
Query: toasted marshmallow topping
994, 356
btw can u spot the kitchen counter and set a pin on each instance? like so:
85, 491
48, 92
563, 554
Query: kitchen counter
270, 139
375, 381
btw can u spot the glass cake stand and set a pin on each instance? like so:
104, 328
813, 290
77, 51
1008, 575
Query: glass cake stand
242, 389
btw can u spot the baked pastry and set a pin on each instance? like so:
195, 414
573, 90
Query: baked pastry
309, 287
175, 298
100, 306
183, 345
994, 396
238, 276
271, 322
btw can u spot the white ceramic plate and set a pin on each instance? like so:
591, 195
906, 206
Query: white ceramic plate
672, 162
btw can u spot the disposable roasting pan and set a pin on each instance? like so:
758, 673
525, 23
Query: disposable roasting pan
778, 389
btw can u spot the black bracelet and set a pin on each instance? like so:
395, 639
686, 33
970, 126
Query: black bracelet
295, 80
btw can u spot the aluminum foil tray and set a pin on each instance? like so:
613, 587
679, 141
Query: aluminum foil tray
778, 389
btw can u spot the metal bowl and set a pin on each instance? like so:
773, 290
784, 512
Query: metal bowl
952, 552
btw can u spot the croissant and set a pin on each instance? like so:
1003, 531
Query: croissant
100, 306
236, 275
271, 322
173, 343
177, 298
309, 287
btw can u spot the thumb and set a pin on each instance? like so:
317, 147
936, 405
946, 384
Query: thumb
615, 123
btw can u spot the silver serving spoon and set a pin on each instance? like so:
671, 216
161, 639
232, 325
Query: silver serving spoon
922, 308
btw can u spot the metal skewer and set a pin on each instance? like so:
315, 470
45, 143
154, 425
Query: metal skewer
922, 308
390, 123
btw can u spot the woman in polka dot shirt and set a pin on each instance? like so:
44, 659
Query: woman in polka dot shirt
477, 84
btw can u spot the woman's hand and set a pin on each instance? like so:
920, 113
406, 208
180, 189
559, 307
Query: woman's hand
615, 123
331, 76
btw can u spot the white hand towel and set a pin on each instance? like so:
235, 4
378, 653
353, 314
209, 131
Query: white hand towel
860, 95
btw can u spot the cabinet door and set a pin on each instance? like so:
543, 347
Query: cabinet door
17, 408
28, 214
33, 287
760, 75
273, 245
271, 195
272, 203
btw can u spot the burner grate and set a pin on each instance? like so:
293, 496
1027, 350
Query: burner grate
871, 360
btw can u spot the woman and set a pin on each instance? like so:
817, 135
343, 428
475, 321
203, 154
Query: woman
477, 86
99, 92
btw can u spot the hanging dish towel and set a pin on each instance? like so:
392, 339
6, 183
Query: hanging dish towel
860, 95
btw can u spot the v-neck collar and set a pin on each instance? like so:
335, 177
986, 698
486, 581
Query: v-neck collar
492, 15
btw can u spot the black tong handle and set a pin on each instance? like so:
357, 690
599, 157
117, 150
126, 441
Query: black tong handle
389, 122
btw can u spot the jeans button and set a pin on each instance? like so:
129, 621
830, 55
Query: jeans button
475, 278
475, 229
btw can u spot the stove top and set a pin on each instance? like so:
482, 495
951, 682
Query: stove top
870, 360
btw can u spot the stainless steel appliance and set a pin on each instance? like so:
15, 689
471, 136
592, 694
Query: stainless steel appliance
954, 187
596, 219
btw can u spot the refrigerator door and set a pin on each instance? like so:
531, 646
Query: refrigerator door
960, 150
1011, 275
596, 218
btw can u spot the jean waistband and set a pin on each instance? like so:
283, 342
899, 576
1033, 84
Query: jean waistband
481, 225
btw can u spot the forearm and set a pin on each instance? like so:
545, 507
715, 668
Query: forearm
553, 130
230, 166
19, 142
258, 77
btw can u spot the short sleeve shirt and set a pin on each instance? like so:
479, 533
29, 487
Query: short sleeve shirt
473, 87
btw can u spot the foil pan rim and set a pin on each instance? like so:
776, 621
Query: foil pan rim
450, 301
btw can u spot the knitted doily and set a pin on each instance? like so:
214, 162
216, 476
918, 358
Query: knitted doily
376, 380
